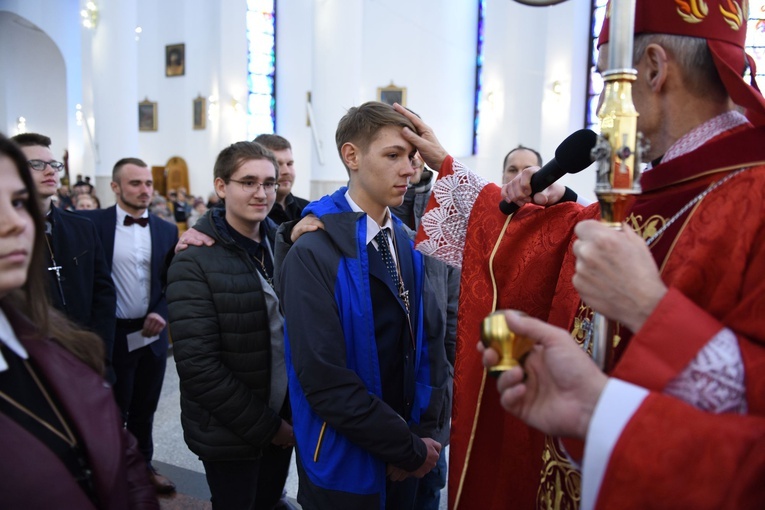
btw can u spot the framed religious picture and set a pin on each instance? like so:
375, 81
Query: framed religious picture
175, 60
147, 115
392, 94
199, 112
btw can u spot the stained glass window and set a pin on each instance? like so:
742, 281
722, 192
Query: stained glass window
755, 37
594, 81
478, 75
261, 67
755, 46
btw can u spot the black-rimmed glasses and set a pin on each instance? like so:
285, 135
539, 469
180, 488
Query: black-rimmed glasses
254, 186
39, 165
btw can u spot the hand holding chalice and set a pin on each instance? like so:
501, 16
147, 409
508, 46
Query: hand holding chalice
510, 346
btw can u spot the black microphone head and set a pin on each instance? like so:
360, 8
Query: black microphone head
573, 153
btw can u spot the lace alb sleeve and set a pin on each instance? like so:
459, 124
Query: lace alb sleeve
714, 380
445, 224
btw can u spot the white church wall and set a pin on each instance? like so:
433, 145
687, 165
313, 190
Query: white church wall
294, 78
339, 51
40, 72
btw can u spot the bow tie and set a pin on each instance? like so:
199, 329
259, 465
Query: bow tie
129, 220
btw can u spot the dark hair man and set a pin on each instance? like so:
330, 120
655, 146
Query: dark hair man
80, 282
287, 207
136, 243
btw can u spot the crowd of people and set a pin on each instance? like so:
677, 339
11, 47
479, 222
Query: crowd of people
176, 206
346, 330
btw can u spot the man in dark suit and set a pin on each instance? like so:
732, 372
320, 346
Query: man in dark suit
80, 283
136, 243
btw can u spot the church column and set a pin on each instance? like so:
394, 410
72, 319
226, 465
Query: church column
115, 89
336, 84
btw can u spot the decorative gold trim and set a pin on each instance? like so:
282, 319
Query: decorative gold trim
679, 233
688, 218
318, 443
715, 171
483, 379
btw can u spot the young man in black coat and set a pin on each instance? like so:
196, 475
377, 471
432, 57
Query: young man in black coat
80, 281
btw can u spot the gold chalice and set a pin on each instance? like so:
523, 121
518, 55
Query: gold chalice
510, 346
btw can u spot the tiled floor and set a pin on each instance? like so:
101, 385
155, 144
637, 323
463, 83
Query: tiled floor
173, 459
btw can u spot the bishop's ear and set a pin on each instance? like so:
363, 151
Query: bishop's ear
657, 64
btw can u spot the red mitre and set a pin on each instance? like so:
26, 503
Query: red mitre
722, 23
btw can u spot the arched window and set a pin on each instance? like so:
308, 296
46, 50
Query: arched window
261, 67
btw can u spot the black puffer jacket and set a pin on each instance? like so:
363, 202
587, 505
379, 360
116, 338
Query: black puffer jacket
222, 346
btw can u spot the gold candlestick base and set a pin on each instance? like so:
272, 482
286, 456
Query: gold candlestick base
511, 346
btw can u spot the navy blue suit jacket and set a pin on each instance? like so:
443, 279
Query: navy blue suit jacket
86, 279
164, 236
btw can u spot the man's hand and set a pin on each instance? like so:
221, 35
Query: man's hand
519, 190
153, 325
616, 274
434, 451
424, 139
561, 385
285, 437
193, 237
397, 474
309, 223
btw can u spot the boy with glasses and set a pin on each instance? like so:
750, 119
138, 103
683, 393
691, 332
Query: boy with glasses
80, 282
228, 339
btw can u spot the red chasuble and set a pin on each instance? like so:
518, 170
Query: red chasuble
712, 257
718, 463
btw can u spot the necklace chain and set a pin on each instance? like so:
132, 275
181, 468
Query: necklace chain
586, 323
69, 437
690, 204
55, 267
262, 263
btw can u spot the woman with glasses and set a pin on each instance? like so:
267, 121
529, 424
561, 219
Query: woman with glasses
228, 341
63, 441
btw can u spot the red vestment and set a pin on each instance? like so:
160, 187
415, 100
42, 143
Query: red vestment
712, 258
718, 463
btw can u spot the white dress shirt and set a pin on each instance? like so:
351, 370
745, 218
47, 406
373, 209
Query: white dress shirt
616, 406
131, 267
373, 228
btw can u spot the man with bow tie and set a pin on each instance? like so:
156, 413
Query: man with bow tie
135, 243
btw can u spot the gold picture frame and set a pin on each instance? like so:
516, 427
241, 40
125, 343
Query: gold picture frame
147, 115
392, 94
199, 112
175, 60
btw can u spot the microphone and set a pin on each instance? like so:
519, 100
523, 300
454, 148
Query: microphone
571, 156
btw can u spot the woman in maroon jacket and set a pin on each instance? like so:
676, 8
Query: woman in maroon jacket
63, 444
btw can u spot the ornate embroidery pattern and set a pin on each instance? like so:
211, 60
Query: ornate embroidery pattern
446, 225
703, 133
647, 228
692, 11
560, 488
714, 380
735, 16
